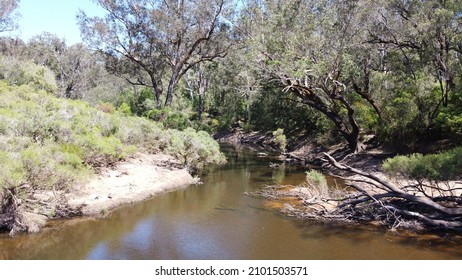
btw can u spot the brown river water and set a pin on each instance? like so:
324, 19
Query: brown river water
216, 221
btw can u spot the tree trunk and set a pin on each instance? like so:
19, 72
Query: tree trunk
202, 87
199, 107
157, 91
171, 89
348, 126
352, 139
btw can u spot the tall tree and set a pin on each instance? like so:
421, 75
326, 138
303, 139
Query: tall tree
7, 15
77, 69
313, 48
422, 45
159, 41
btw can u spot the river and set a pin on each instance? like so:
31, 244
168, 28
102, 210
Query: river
216, 221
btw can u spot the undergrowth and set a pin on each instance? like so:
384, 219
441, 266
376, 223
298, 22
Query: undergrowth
50, 143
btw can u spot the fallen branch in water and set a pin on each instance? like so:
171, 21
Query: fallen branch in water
373, 198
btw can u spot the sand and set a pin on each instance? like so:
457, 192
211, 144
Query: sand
136, 179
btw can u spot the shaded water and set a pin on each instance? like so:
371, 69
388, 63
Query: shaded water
216, 221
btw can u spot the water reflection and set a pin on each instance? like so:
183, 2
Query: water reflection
216, 221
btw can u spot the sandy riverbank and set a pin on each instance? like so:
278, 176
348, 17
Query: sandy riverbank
139, 178
136, 179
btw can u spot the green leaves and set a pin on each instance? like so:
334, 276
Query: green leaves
27, 73
50, 143
194, 149
434, 167
280, 139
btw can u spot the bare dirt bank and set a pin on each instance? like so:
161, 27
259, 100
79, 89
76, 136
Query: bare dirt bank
136, 179
139, 178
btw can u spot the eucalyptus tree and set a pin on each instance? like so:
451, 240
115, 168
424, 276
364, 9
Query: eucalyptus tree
8, 15
51, 51
422, 46
197, 82
14, 47
78, 70
315, 51
155, 43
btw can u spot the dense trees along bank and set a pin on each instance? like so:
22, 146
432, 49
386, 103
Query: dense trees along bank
328, 71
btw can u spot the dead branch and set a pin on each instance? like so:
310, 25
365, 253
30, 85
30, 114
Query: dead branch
396, 192
397, 201
370, 198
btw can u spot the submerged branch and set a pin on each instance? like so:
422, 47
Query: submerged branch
369, 199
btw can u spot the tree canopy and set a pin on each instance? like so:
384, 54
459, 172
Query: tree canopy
7, 15
333, 69
158, 42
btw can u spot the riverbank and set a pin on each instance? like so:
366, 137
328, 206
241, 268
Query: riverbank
138, 178
370, 195
303, 151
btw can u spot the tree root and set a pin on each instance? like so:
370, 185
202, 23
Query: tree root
18, 215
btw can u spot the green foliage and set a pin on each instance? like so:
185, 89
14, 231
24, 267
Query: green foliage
316, 177
125, 109
100, 150
194, 149
271, 111
450, 117
140, 102
49, 167
142, 133
11, 171
317, 183
51, 143
169, 118
434, 167
280, 139
17, 72
451, 122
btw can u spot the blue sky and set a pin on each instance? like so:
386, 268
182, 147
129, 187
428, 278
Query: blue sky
54, 16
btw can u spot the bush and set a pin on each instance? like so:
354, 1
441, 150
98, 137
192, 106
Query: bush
280, 139
317, 184
49, 167
144, 134
51, 143
48, 142
16, 72
100, 151
125, 109
194, 149
435, 167
11, 171
169, 118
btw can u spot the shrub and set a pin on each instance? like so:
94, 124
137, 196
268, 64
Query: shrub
17, 72
50, 143
100, 151
125, 109
435, 167
169, 118
48, 167
145, 134
280, 139
11, 171
317, 184
194, 149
